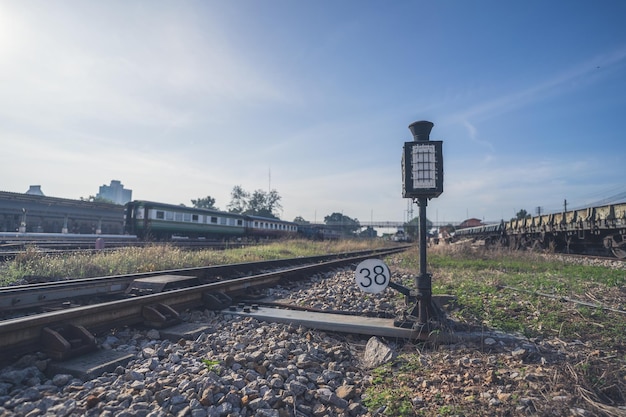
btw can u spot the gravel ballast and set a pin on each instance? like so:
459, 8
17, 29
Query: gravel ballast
250, 368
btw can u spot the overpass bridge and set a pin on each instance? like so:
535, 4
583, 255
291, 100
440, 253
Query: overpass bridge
385, 224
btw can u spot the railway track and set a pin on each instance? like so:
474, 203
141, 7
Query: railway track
59, 318
11, 249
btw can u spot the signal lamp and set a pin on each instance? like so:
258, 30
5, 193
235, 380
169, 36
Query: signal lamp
422, 164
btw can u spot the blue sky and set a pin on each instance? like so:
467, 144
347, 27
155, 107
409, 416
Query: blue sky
180, 100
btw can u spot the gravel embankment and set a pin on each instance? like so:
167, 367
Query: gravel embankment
249, 368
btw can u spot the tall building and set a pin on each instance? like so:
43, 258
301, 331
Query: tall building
115, 193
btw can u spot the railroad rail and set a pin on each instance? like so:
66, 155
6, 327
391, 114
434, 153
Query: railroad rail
67, 332
14, 244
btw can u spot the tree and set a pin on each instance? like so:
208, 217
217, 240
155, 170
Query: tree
97, 199
522, 214
300, 220
238, 200
411, 228
343, 223
369, 233
207, 202
272, 201
263, 204
259, 203
256, 204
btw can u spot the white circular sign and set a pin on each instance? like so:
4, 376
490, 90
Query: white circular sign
372, 275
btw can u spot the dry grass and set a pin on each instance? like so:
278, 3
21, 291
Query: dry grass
570, 359
33, 265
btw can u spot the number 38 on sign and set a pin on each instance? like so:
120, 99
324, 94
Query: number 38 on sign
372, 275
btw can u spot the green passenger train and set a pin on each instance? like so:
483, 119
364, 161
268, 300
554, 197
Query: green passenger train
160, 221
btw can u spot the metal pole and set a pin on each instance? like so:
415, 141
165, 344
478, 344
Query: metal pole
422, 203
423, 281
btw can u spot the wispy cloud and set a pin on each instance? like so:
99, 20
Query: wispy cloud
578, 76
473, 134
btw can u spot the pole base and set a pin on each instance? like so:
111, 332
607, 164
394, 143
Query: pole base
425, 314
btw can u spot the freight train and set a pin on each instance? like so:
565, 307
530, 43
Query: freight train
600, 229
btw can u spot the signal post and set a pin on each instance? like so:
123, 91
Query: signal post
422, 179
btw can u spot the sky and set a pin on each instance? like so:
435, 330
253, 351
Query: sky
180, 100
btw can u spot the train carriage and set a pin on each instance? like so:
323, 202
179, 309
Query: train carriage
587, 230
265, 228
163, 221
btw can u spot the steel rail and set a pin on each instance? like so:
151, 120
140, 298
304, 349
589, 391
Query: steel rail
23, 334
21, 297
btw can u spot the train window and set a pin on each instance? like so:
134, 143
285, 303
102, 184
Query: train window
214, 220
187, 217
178, 217
194, 218
239, 222
160, 215
223, 221
169, 215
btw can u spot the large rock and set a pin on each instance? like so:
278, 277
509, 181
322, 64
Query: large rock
376, 353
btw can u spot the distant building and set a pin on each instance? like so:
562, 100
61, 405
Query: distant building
115, 193
470, 223
35, 190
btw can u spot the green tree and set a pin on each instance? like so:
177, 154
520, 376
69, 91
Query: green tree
263, 204
238, 200
207, 202
95, 199
259, 203
369, 233
344, 223
522, 214
272, 201
300, 220
411, 228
